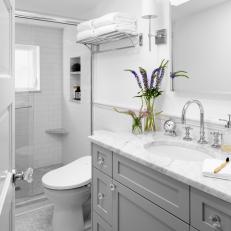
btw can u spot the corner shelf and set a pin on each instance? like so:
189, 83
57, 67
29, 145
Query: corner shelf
57, 131
75, 101
75, 73
95, 43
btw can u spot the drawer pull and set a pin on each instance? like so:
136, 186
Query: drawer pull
112, 187
100, 161
100, 196
216, 222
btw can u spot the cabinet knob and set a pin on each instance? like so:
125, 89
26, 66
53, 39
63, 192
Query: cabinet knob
100, 196
112, 187
216, 222
100, 161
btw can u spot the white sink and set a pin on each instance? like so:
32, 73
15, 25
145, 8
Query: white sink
177, 150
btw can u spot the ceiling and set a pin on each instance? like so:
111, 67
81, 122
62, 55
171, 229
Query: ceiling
77, 9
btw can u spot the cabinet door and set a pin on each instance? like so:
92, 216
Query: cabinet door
132, 212
99, 224
102, 195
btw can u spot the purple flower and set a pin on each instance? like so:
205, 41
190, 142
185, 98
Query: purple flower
154, 75
160, 77
145, 77
137, 78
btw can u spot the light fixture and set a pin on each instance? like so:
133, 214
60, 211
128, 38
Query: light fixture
149, 11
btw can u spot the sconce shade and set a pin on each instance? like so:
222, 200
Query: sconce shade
149, 9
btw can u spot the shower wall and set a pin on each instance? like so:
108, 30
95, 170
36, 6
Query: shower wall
38, 148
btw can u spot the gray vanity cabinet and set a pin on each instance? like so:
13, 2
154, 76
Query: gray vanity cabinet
102, 159
209, 213
132, 212
127, 196
102, 195
162, 190
99, 224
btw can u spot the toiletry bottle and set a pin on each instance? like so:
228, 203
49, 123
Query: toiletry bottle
77, 93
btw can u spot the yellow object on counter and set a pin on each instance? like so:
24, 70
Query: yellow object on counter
226, 148
223, 165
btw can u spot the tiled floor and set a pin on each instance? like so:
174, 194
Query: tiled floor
37, 220
38, 217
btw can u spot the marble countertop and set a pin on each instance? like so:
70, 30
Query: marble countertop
188, 172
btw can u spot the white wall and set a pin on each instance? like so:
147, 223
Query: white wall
47, 104
76, 116
114, 86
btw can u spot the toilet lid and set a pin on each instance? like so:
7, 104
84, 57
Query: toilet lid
73, 175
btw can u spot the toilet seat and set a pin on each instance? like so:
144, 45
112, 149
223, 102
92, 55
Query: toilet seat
73, 175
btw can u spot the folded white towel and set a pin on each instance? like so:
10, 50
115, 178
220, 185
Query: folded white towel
88, 34
112, 18
210, 164
84, 26
125, 28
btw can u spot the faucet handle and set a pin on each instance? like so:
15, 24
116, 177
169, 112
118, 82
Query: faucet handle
216, 139
228, 122
187, 134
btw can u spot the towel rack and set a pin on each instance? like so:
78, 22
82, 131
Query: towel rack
95, 43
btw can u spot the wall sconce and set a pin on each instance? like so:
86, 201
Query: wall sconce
149, 11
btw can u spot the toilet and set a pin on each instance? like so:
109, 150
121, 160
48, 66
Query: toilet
68, 188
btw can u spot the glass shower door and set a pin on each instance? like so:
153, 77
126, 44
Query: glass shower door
24, 126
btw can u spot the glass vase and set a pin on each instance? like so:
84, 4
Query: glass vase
137, 128
150, 125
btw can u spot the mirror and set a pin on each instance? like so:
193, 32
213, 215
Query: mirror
201, 45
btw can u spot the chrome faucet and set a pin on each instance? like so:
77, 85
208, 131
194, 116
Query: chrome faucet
202, 139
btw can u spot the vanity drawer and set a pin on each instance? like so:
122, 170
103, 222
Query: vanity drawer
167, 193
102, 159
102, 195
99, 224
208, 213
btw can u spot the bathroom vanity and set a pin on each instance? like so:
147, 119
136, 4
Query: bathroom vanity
135, 190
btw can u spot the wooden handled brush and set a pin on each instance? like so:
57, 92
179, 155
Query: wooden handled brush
223, 165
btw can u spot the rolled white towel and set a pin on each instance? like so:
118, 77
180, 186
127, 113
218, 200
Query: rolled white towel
84, 35
112, 18
84, 26
123, 28
209, 166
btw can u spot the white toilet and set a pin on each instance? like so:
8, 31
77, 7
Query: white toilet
68, 188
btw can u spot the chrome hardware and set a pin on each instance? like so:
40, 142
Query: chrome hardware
100, 196
216, 222
228, 122
170, 128
187, 134
100, 161
216, 139
112, 187
202, 139
26, 176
